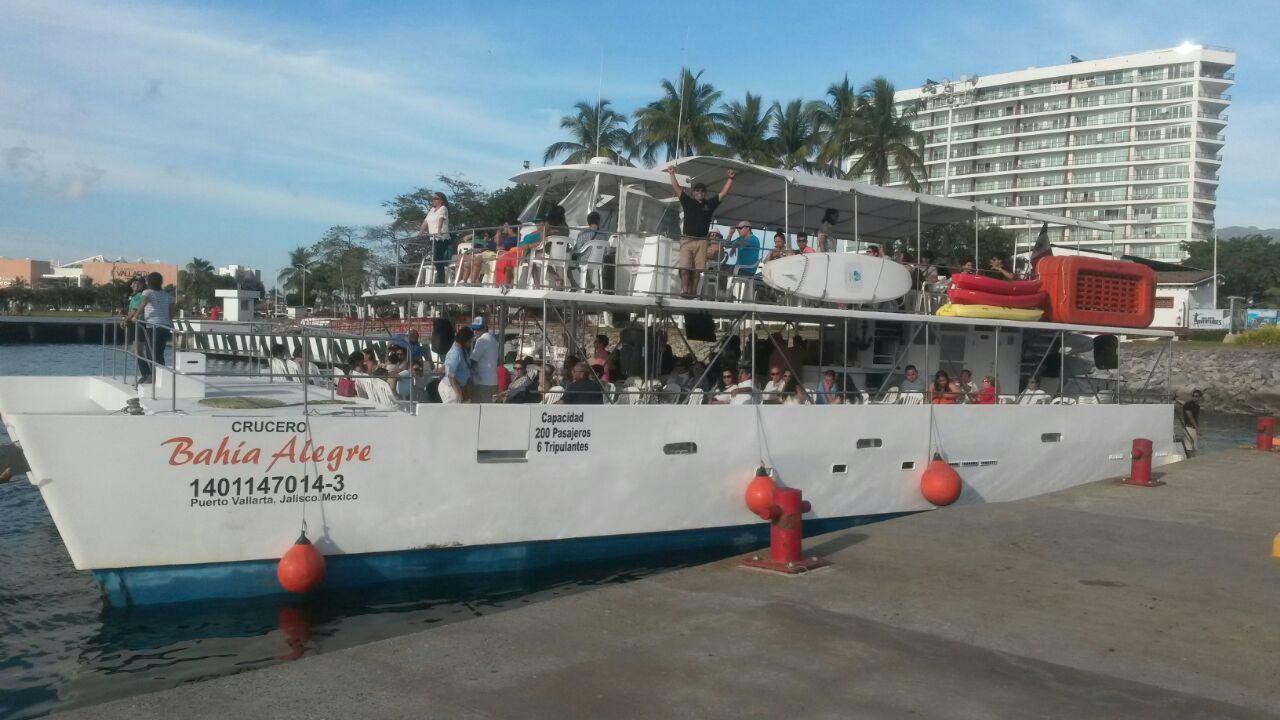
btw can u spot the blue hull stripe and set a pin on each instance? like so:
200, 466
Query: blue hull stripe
257, 578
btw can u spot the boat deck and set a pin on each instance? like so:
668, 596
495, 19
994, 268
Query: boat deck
1101, 601
246, 395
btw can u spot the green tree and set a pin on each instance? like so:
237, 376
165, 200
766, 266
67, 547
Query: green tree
883, 138
197, 284
794, 136
1247, 266
293, 276
952, 244
595, 129
744, 129
683, 121
834, 120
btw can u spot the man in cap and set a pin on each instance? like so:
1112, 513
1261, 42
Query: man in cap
485, 354
748, 247
698, 209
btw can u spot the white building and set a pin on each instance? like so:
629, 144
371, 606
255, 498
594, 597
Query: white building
240, 272
1133, 141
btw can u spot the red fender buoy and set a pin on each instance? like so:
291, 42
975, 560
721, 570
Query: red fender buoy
760, 494
302, 568
940, 483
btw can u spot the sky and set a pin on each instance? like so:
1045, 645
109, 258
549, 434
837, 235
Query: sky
235, 131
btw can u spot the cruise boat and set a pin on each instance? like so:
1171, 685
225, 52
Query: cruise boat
193, 487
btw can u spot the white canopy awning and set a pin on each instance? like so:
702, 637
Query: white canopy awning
774, 197
652, 181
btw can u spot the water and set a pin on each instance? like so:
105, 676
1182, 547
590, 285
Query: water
60, 647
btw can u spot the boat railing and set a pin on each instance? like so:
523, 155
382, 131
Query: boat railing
325, 378
650, 268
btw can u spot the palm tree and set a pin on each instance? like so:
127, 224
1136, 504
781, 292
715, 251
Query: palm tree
745, 130
682, 121
794, 135
294, 275
199, 284
595, 129
883, 138
833, 120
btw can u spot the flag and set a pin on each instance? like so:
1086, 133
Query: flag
1041, 249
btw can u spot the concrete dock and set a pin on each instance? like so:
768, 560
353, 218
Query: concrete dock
1102, 601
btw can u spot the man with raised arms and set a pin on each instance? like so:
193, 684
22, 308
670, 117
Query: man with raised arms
699, 209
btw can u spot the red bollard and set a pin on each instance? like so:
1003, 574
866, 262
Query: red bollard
1140, 470
786, 534
1266, 432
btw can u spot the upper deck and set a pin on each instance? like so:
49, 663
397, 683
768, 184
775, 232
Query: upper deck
630, 263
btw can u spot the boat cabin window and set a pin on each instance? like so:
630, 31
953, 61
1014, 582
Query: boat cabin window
647, 215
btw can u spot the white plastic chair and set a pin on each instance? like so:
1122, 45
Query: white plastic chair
376, 390
280, 369
696, 396
588, 272
610, 393
911, 398
553, 396
890, 396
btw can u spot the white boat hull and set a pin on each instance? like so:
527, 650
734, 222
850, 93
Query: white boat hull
175, 490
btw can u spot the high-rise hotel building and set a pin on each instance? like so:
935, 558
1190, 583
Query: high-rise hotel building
1132, 141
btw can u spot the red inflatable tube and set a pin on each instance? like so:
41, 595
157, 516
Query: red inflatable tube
960, 296
998, 286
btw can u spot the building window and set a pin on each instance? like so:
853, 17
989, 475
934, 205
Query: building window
1164, 303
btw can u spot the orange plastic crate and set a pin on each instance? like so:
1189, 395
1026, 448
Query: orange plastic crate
1096, 291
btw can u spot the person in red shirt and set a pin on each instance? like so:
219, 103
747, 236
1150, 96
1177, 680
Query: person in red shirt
802, 244
987, 394
504, 378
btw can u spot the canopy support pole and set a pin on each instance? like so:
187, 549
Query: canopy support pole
919, 237
786, 211
857, 247
975, 238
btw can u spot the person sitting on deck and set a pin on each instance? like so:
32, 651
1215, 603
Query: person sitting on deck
911, 380
779, 250
829, 391
698, 210
744, 392
997, 268
793, 393
583, 389
802, 244
967, 389
723, 392
1033, 395
307, 370
987, 395
600, 355
966, 267
523, 387
747, 246
408, 341
943, 391
874, 251
773, 388
471, 265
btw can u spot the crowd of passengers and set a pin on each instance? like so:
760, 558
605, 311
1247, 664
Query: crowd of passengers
472, 370
700, 246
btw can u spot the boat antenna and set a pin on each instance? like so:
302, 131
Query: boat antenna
684, 60
599, 97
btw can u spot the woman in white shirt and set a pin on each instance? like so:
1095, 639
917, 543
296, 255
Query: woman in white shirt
435, 226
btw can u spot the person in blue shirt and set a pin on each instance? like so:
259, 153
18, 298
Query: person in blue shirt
457, 369
408, 341
748, 247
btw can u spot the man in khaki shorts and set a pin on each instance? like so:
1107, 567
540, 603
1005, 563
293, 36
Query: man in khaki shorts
698, 212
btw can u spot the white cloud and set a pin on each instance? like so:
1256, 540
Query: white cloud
160, 101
